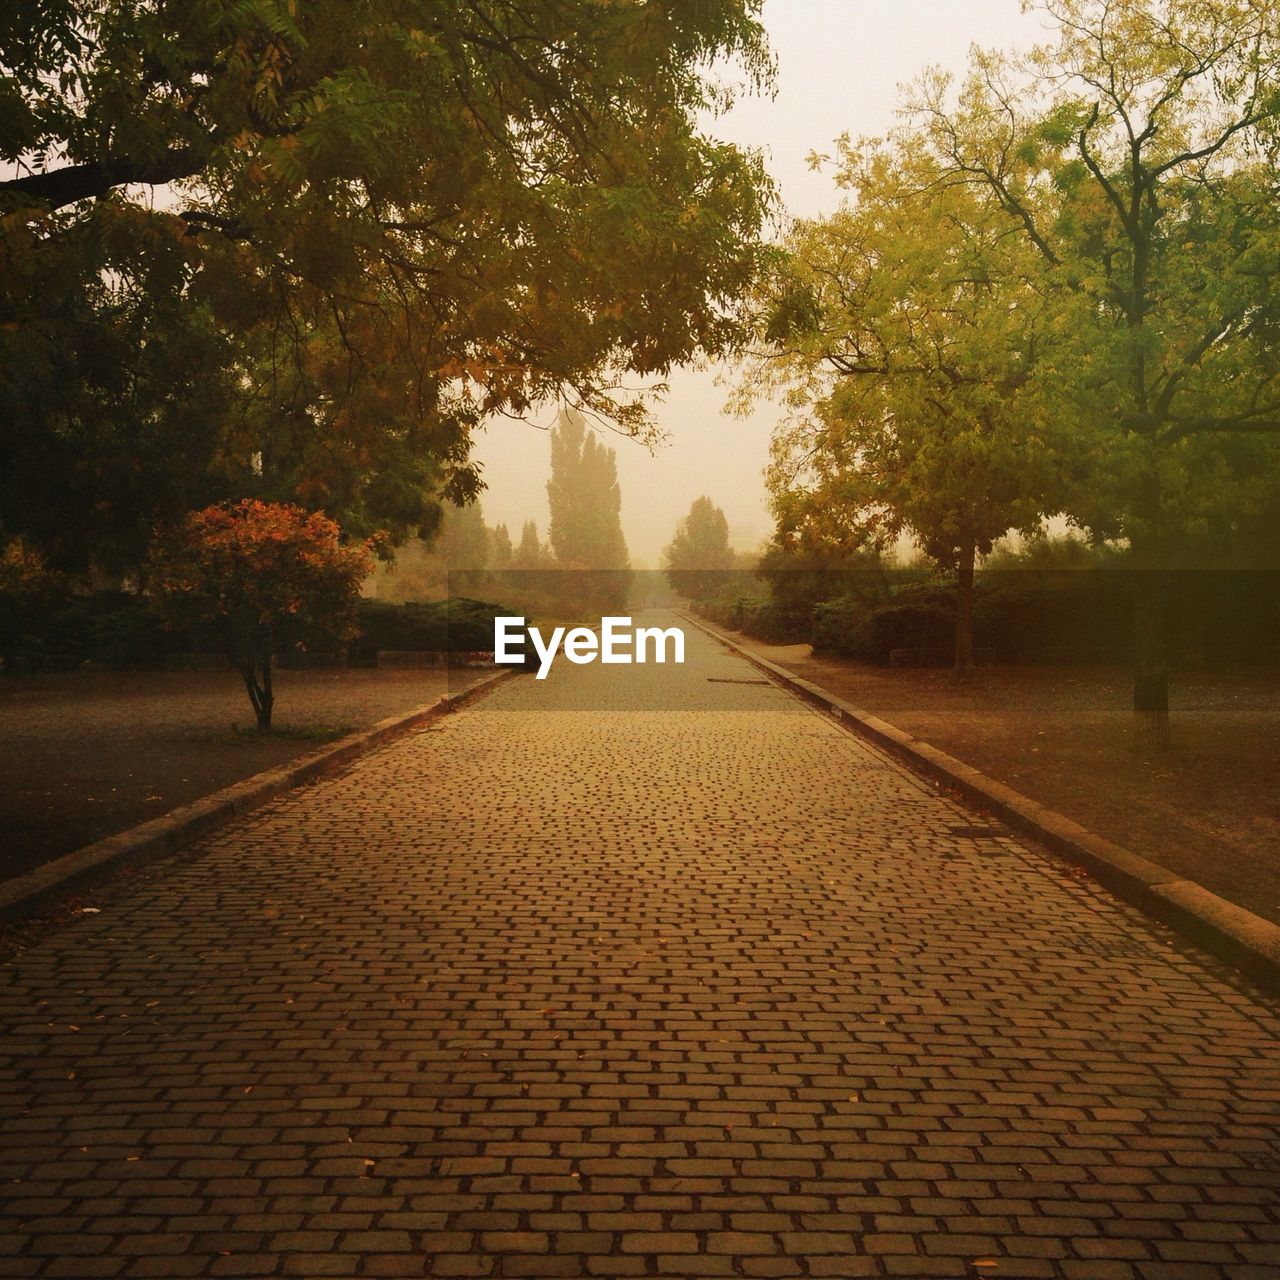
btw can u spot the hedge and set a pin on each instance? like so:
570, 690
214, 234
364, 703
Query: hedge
457, 625
776, 623
1072, 617
117, 630
759, 616
912, 620
1024, 616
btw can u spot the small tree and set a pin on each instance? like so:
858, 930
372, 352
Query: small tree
698, 558
531, 552
268, 576
463, 539
907, 330
501, 548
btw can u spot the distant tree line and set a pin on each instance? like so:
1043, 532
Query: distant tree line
584, 562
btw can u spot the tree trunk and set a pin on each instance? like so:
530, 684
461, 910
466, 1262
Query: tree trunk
964, 614
1151, 662
260, 695
267, 700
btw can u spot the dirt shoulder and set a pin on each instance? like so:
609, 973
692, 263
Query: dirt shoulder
1209, 808
86, 755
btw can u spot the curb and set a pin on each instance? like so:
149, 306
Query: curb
179, 827
1241, 938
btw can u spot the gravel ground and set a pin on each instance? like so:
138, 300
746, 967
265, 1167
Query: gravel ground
85, 755
1208, 808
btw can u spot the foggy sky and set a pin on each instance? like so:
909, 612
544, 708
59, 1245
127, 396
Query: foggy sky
839, 66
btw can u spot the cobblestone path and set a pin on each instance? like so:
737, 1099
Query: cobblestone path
638, 971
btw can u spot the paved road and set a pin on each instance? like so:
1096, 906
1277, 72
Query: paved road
639, 971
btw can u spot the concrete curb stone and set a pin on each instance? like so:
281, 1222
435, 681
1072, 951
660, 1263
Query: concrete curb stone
1243, 939
180, 827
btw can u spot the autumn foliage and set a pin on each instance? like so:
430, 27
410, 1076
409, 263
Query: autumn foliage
269, 576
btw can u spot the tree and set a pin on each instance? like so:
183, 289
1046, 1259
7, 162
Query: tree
699, 557
463, 545
1136, 154
816, 555
908, 330
586, 503
450, 562
113, 395
502, 550
269, 577
531, 553
463, 539
401, 219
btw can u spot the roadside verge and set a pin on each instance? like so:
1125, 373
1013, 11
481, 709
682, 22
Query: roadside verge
1238, 936
179, 827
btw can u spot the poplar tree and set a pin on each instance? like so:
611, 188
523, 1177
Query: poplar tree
531, 552
586, 502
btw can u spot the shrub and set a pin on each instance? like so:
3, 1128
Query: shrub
268, 577
902, 626
773, 621
919, 615
834, 622
458, 625
728, 610
776, 623
31, 596
122, 633
1055, 617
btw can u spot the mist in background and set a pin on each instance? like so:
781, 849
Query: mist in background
840, 63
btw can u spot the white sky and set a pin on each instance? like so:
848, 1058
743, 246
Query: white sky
840, 63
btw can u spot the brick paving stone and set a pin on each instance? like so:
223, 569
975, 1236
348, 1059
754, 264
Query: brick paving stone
630, 972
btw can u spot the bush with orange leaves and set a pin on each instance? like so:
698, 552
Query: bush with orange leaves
269, 576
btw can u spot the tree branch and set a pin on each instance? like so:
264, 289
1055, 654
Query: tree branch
60, 187
1082, 144
1240, 424
1212, 148
1190, 358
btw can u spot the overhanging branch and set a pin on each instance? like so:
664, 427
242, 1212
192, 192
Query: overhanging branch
60, 187
1240, 426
